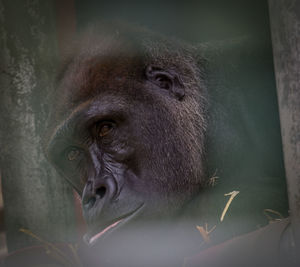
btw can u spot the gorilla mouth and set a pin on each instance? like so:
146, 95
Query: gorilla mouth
92, 237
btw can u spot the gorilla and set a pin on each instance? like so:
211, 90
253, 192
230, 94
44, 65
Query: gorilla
129, 132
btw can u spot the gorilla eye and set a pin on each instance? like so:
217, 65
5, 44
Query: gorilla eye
105, 129
73, 153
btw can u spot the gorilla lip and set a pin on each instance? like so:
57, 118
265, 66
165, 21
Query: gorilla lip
96, 236
112, 226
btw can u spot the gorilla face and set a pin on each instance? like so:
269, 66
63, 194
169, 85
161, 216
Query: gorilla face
127, 128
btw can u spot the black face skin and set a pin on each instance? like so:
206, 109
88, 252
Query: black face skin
128, 126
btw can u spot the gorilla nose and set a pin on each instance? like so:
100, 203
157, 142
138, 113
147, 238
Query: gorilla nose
96, 192
92, 194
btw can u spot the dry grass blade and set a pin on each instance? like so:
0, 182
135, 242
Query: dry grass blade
232, 195
268, 212
55, 252
205, 232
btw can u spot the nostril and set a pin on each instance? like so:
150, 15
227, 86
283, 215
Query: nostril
91, 201
101, 191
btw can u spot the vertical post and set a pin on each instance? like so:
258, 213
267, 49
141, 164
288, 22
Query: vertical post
285, 28
34, 197
3, 248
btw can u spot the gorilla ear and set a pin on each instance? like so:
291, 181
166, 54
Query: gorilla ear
168, 80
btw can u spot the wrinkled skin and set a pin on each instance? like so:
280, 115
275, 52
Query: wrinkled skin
128, 127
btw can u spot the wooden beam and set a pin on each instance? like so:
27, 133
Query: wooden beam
35, 198
285, 28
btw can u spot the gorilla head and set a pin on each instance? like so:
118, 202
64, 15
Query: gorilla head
128, 126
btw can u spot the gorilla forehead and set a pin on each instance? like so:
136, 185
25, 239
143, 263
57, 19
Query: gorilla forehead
92, 77
102, 62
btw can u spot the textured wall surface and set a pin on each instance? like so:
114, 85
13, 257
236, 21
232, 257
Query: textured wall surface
34, 197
